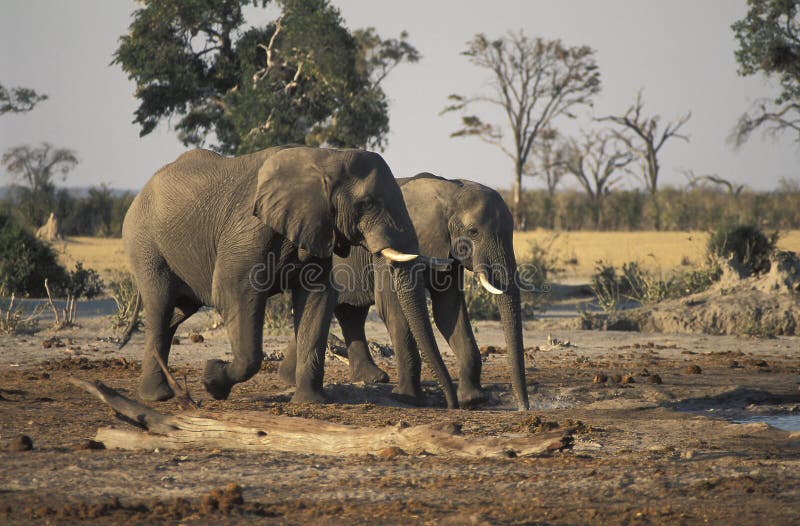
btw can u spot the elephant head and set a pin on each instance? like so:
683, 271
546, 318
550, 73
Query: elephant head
471, 223
325, 200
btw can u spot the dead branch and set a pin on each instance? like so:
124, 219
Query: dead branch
259, 431
52, 305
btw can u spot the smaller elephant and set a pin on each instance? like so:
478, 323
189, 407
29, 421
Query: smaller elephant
457, 219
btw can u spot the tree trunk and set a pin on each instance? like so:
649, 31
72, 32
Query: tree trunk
519, 221
260, 431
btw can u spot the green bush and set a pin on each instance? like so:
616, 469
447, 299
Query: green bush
746, 244
25, 262
84, 282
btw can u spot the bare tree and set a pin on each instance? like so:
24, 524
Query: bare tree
549, 160
642, 136
732, 188
595, 161
534, 81
36, 168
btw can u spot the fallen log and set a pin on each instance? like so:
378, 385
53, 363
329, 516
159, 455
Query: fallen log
258, 431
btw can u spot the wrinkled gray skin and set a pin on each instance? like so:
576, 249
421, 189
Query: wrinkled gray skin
462, 220
230, 232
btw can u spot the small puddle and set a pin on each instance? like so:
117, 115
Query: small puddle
785, 422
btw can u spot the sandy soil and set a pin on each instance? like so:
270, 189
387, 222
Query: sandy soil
645, 452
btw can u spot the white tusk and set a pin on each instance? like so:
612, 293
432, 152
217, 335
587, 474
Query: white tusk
488, 286
393, 255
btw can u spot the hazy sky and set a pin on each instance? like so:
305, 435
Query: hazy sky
680, 52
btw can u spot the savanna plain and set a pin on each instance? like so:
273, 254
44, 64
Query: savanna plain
656, 427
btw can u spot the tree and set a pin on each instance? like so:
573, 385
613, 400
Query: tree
594, 160
303, 78
534, 82
37, 168
769, 43
18, 100
642, 136
548, 162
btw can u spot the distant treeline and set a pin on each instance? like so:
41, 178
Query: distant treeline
98, 211
700, 208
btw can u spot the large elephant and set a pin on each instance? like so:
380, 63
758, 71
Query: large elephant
230, 232
456, 219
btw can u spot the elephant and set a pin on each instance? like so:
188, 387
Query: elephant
457, 219
208, 230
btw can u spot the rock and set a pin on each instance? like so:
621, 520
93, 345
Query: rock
628, 379
197, 338
616, 379
654, 379
176, 340
389, 453
88, 444
21, 443
599, 378
692, 369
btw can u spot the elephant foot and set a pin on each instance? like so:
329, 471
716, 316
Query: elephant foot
409, 395
286, 371
216, 381
470, 396
309, 396
154, 388
369, 373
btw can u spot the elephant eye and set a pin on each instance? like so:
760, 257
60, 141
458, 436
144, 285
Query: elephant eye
364, 205
473, 232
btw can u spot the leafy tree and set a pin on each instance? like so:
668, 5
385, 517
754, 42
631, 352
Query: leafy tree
18, 100
534, 82
769, 43
303, 78
594, 161
37, 169
644, 138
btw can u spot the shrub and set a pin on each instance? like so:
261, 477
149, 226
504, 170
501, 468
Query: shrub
605, 285
84, 282
123, 290
644, 286
13, 319
278, 314
25, 262
745, 243
481, 304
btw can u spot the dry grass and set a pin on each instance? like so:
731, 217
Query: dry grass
655, 250
105, 255
577, 252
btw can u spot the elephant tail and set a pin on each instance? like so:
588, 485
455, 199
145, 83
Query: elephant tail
131, 324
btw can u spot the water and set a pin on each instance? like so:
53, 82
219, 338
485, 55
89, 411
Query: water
783, 421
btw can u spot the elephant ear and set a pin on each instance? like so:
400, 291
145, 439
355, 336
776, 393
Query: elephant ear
426, 198
293, 198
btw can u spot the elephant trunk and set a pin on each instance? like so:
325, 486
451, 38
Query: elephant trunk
499, 266
409, 285
511, 318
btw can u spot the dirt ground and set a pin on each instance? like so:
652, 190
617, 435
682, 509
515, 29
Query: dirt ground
653, 440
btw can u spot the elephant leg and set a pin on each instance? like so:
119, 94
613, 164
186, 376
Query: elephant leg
313, 310
409, 363
288, 366
362, 367
452, 320
244, 321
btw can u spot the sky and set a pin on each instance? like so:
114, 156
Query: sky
680, 53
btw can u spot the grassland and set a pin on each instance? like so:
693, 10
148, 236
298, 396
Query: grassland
577, 252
